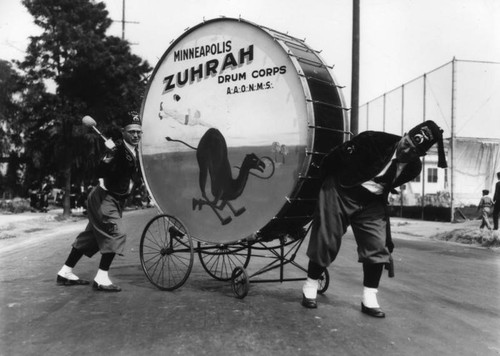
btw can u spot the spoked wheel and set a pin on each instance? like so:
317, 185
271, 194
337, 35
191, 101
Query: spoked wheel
324, 282
166, 252
220, 260
240, 282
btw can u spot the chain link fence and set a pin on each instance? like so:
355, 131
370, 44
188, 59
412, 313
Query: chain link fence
463, 98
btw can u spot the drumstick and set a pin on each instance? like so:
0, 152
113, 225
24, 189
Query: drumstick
90, 122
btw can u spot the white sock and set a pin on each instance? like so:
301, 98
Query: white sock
370, 297
310, 288
102, 278
67, 272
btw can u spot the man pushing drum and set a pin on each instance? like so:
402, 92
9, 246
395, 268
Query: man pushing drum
118, 171
358, 176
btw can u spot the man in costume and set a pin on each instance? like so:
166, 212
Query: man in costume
118, 171
357, 178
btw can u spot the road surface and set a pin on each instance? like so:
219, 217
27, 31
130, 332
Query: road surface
443, 301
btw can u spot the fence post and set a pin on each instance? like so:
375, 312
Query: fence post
383, 122
402, 133
422, 203
367, 114
452, 139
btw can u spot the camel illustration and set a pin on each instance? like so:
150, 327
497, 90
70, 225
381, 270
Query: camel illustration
213, 161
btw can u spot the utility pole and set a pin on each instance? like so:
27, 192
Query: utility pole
123, 21
355, 69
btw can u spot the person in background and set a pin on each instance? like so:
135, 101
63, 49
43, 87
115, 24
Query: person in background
88, 189
34, 194
357, 177
118, 172
81, 198
484, 206
46, 191
496, 201
73, 192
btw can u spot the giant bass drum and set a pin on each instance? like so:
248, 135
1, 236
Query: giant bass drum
236, 120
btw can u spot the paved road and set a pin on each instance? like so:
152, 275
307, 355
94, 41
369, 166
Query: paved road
443, 301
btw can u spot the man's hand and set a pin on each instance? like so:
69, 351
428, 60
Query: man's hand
390, 267
109, 144
111, 150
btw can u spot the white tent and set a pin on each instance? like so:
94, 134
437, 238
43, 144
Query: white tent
472, 168
475, 164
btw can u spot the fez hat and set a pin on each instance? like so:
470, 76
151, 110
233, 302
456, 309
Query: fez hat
424, 136
132, 118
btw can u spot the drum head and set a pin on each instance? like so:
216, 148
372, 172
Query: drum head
225, 121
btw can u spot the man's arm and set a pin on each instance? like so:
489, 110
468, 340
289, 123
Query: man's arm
338, 157
481, 203
108, 163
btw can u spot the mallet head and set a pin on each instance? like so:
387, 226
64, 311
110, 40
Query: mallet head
88, 121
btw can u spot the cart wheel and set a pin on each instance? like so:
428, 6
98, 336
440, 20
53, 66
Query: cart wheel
324, 282
166, 252
240, 282
220, 260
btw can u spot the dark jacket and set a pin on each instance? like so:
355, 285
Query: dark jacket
496, 196
120, 171
363, 157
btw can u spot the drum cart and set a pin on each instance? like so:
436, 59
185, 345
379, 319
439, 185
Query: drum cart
229, 102
167, 254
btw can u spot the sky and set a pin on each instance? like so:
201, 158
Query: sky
399, 39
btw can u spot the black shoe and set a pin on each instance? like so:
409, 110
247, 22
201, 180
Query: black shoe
61, 281
375, 312
111, 288
309, 302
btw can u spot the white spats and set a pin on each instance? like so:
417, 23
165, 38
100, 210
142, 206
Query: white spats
102, 278
67, 272
370, 297
310, 288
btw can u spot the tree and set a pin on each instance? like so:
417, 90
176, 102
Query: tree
94, 74
11, 129
10, 87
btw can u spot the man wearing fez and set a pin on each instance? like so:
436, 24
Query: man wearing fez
118, 171
358, 176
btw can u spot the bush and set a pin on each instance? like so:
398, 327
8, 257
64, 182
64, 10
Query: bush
472, 236
14, 206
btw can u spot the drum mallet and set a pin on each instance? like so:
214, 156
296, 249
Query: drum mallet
90, 122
